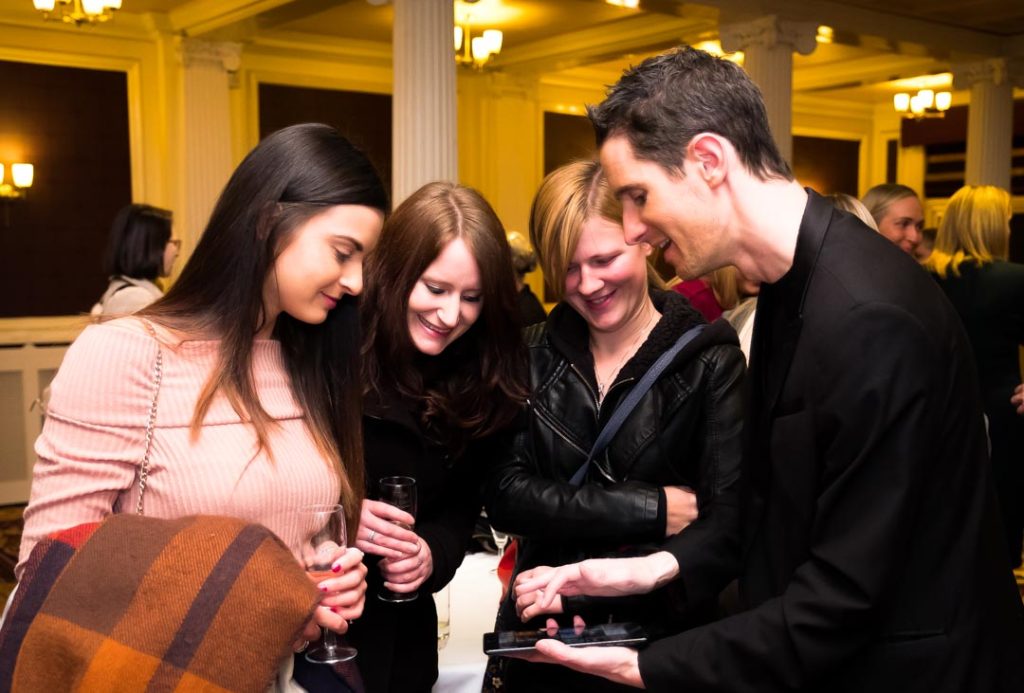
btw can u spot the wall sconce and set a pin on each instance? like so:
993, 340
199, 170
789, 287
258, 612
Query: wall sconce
21, 180
77, 12
476, 51
926, 103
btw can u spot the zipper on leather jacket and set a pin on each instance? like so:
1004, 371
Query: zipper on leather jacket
553, 425
593, 392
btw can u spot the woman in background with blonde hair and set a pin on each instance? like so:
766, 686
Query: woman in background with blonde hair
524, 261
897, 211
849, 203
970, 263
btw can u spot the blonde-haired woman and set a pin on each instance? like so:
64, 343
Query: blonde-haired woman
970, 264
850, 204
898, 213
604, 335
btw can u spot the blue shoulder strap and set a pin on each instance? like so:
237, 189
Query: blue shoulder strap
629, 403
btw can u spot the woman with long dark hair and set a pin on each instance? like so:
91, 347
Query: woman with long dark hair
443, 369
253, 354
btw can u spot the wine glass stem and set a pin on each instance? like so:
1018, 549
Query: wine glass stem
330, 641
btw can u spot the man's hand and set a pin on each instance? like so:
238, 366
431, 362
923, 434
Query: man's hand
597, 577
618, 664
1018, 398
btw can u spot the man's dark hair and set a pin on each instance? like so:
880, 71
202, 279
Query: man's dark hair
662, 103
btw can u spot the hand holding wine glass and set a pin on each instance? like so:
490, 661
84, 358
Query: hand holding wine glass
400, 492
325, 559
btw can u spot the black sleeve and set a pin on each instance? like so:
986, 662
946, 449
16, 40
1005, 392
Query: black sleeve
521, 501
708, 550
449, 534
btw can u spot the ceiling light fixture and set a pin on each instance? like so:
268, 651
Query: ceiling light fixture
926, 103
476, 51
77, 12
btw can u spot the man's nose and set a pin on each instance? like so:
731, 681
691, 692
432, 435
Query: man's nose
635, 230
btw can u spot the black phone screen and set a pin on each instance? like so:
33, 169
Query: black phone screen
508, 641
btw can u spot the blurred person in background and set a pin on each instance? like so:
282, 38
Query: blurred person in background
849, 203
139, 251
898, 214
524, 261
970, 263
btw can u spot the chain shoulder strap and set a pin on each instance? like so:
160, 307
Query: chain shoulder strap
158, 374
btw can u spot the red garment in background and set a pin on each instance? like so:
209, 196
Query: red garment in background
699, 293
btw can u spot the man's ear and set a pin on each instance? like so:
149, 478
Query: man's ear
707, 154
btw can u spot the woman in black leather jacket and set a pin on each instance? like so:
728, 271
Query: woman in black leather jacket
684, 433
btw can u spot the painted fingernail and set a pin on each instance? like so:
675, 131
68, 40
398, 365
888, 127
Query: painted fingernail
336, 568
334, 610
323, 589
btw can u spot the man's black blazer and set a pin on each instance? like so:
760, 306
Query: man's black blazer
873, 559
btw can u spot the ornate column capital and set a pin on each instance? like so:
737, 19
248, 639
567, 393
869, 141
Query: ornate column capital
998, 71
195, 52
769, 31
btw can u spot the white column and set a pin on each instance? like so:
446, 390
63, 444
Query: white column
989, 118
768, 44
423, 105
208, 70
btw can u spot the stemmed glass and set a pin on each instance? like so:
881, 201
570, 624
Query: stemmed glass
323, 542
399, 491
500, 541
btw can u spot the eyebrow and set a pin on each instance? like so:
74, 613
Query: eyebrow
448, 285
358, 246
625, 189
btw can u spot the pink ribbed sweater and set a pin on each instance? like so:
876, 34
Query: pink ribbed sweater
91, 447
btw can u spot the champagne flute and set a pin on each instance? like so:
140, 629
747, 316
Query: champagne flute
323, 542
399, 491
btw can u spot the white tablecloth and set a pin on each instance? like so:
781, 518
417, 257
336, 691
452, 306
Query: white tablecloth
474, 593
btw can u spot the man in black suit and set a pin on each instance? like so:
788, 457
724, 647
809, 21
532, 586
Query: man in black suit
872, 553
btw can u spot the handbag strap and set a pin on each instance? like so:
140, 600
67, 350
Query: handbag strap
158, 375
626, 406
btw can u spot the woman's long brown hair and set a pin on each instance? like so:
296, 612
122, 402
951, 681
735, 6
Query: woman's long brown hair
476, 386
291, 176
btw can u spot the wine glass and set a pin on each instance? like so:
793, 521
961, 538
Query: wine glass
323, 542
399, 491
500, 542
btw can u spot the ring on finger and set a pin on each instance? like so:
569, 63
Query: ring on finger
373, 533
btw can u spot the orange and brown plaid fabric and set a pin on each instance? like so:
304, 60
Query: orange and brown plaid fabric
138, 603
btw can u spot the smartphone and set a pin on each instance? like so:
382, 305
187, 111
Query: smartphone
512, 641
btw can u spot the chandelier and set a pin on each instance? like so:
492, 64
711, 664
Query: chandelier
926, 103
476, 51
77, 12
